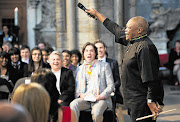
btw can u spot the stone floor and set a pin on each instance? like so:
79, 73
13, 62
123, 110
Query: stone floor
171, 101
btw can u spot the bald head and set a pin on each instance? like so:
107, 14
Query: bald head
141, 23
13, 113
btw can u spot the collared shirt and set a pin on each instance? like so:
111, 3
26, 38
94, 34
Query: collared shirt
26, 61
16, 66
102, 59
58, 76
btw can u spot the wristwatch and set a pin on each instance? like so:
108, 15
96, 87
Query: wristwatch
149, 101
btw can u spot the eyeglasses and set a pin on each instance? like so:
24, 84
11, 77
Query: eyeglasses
39, 54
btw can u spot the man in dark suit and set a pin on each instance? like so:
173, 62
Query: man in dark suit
102, 56
65, 83
101, 46
16, 62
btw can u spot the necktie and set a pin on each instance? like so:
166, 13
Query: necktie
89, 69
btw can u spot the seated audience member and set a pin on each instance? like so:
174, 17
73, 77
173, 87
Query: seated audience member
76, 57
67, 61
16, 45
35, 99
102, 56
41, 45
49, 51
6, 46
174, 63
16, 62
46, 78
65, 83
25, 53
6, 70
95, 83
13, 113
35, 61
5, 89
6, 36
45, 57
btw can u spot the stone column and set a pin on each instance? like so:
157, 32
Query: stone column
60, 25
132, 11
93, 25
118, 8
31, 23
71, 24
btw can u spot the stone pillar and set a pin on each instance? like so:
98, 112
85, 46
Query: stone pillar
31, 22
93, 25
71, 24
132, 11
118, 5
60, 25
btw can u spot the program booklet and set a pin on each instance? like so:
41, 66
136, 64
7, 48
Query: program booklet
90, 97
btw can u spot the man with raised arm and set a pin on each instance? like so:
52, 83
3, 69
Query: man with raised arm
140, 83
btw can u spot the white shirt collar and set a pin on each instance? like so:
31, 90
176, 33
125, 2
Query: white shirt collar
103, 59
56, 71
26, 61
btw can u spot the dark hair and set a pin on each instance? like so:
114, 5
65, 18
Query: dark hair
67, 51
49, 50
44, 50
14, 51
77, 52
100, 41
106, 53
9, 33
87, 44
178, 41
25, 47
6, 55
46, 78
31, 67
42, 43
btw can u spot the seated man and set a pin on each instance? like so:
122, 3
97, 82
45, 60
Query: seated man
16, 62
65, 83
95, 83
25, 53
101, 48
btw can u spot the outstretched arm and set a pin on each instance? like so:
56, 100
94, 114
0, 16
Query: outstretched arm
96, 14
114, 28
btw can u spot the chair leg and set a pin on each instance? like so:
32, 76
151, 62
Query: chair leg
119, 113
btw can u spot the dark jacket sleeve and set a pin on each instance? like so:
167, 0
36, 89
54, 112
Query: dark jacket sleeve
68, 86
117, 30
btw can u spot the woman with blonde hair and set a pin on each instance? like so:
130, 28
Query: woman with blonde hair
35, 98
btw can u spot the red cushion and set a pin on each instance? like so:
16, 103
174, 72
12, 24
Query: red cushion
163, 59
